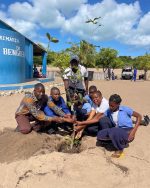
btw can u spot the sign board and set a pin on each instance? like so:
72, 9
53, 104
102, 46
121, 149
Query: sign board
12, 53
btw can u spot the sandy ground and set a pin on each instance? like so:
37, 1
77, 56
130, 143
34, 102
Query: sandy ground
34, 161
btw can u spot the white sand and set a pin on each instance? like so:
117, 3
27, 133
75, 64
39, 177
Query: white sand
93, 167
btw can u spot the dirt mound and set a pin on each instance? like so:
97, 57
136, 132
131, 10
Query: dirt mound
14, 145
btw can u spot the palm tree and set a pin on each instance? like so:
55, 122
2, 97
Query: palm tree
51, 39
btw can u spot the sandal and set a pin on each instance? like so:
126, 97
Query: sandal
117, 154
146, 119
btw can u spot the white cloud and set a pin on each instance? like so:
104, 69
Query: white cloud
122, 22
42, 12
116, 20
23, 11
29, 29
2, 15
143, 26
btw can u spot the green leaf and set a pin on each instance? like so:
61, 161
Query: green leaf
69, 104
80, 96
54, 40
48, 36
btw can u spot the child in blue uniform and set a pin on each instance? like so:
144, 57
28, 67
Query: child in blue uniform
119, 118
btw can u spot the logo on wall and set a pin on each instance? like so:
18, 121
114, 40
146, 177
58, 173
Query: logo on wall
13, 52
12, 44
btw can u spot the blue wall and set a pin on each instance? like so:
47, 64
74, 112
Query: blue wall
28, 59
44, 63
16, 56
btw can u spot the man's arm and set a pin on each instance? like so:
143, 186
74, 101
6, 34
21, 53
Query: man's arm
65, 78
66, 83
68, 119
48, 112
81, 125
133, 131
91, 115
91, 121
55, 108
86, 82
38, 114
64, 107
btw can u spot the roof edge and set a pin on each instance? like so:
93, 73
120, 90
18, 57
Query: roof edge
23, 36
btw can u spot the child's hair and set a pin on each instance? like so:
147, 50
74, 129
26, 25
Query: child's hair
39, 85
93, 88
97, 93
54, 88
115, 98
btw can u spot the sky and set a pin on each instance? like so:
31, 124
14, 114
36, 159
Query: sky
124, 23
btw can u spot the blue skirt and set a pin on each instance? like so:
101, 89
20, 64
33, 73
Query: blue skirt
118, 136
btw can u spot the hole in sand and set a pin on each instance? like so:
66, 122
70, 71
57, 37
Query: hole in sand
16, 146
70, 146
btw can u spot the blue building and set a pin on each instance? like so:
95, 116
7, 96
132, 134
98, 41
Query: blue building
16, 56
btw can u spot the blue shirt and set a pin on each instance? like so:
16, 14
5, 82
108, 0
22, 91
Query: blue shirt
135, 71
60, 103
81, 113
88, 99
124, 117
86, 106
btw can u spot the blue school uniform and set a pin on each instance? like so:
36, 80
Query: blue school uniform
118, 135
124, 117
60, 103
88, 99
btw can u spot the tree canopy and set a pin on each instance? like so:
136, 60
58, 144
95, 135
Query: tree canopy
89, 57
106, 58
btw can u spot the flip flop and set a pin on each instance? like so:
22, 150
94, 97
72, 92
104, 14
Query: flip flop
146, 119
117, 155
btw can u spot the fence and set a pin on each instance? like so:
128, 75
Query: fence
51, 75
98, 76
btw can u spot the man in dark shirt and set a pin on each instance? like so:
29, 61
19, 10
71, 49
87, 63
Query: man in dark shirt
30, 109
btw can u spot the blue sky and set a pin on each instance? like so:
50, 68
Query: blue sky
125, 23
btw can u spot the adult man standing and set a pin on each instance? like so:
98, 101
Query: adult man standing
76, 77
30, 109
134, 74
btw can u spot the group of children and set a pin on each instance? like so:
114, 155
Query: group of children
94, 115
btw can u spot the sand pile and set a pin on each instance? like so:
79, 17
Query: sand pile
14, 145
33, 160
